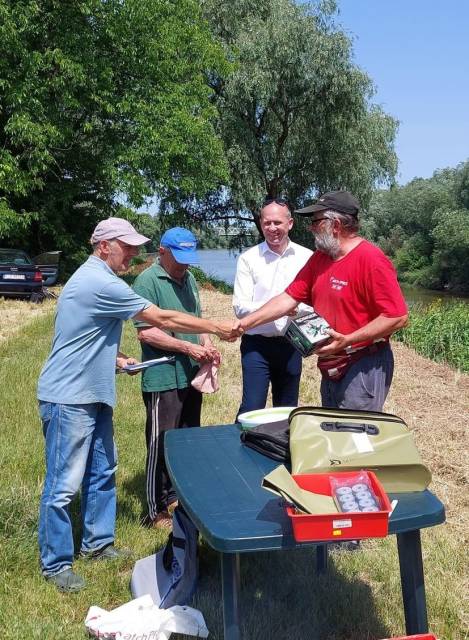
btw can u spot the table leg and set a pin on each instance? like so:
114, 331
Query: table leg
230, 593
321, 558
412, 581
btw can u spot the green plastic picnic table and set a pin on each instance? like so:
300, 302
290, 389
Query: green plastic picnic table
218, 482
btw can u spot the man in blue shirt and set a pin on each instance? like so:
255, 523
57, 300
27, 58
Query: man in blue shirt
76, 393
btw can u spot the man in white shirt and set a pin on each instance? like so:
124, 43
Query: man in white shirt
263, 272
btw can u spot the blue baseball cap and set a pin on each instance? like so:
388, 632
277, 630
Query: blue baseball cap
183, 245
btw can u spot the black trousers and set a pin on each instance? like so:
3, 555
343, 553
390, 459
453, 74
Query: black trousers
166, 410
269, 360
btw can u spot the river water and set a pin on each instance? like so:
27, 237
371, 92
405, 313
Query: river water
221, 264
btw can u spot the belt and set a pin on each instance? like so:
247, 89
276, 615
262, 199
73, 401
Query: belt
367, 349
335, 367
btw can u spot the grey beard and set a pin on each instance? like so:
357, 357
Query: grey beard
326, 243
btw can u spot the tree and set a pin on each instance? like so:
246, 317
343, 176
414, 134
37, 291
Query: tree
424, 227
100, 99
461, 185
295, 113
411, 206
451, 255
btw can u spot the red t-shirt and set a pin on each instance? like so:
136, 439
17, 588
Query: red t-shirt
350, 292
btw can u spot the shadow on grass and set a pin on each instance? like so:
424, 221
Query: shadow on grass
131, 489
282, 597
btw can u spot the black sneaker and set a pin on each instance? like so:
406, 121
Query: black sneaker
67, 581
109, 552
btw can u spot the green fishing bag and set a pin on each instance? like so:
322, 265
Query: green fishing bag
333, 440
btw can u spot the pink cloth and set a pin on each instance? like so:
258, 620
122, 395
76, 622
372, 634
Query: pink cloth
206, 380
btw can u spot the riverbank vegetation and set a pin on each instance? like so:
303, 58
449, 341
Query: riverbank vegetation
440, 331
280, 594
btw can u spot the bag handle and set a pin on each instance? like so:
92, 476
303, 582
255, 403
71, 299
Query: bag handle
328, 412
353, 427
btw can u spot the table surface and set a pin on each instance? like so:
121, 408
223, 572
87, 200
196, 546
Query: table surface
218, 481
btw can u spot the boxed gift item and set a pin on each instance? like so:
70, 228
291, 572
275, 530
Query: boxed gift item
307, 333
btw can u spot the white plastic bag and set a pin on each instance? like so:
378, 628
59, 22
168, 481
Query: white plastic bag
142, 617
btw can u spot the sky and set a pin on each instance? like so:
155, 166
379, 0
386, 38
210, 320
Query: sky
417, 54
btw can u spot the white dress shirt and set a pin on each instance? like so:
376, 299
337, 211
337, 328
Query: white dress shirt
262, 274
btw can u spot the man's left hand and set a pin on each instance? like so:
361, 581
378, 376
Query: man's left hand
214, 355
338, 343
123, 361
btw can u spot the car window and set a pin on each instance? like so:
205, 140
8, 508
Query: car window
13, 256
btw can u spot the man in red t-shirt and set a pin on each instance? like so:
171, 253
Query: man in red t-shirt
352, 285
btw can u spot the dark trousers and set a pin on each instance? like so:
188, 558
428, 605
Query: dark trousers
364, 387
165, 410
269, 360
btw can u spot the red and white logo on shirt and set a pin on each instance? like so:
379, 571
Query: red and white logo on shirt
337, 284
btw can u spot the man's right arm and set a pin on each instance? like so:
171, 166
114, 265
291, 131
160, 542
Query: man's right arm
168, 319
279, 306
161, 340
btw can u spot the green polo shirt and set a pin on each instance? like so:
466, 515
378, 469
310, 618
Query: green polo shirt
158, 287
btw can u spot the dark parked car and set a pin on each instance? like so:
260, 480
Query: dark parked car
22, 277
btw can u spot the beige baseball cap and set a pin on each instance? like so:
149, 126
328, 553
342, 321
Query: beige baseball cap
117, 229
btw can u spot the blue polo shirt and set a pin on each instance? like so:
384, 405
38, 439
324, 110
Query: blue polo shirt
88, 326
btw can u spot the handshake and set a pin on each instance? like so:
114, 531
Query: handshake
229, 330
276, 307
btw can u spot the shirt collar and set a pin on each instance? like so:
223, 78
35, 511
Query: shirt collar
264, 248
161, 273
100, 263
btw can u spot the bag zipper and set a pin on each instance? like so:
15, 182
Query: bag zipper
306, 411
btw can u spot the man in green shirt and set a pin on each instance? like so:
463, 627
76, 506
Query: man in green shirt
170, 400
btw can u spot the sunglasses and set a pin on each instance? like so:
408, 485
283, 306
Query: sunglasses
313, 222
283, 202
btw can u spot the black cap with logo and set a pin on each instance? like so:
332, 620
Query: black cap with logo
341, 201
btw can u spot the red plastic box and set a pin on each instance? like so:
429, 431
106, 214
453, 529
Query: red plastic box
339, 526
420, 636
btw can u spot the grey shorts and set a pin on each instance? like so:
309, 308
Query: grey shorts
364, 386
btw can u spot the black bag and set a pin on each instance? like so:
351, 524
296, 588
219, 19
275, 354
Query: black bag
272, 439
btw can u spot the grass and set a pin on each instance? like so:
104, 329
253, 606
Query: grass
440, 331
358, 599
